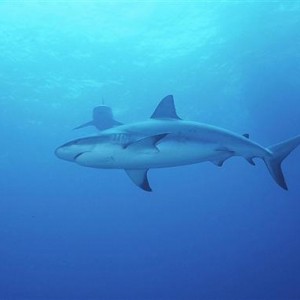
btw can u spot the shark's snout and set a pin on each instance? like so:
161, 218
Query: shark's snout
72, 150
57, 152
64, 153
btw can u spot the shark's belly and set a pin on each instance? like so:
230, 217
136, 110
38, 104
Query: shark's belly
173, 154
167, 154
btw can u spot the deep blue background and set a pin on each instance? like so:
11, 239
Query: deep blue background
68, 232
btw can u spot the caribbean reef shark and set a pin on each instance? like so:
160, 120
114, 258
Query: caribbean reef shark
165, 140
102, 118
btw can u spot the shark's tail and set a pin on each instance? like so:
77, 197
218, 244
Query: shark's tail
278, 153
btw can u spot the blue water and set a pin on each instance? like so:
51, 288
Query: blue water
68, 232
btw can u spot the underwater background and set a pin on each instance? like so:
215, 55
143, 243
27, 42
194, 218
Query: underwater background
69, 232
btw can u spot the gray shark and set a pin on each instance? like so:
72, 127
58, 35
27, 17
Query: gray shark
165, 140
102, 118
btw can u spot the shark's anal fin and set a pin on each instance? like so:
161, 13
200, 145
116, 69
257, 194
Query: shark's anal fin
148, 142
139, 178
165, 109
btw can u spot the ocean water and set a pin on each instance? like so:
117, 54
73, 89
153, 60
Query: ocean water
69, 232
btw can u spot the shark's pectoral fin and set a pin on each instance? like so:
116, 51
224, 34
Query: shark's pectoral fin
147, 143
165, 109
117, 123
91, 123
139, 178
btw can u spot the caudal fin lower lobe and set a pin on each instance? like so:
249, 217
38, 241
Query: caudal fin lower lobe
279, 153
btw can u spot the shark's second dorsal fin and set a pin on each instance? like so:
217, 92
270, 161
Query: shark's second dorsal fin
165, 109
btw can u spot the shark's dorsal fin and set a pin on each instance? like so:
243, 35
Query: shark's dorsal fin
165, 109
139, 178
246, 135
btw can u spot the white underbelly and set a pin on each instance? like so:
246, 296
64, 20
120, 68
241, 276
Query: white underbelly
168, 154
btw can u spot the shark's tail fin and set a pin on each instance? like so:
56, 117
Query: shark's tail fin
278, 153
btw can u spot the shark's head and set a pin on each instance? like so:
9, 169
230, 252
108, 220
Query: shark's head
72, 150
102, 112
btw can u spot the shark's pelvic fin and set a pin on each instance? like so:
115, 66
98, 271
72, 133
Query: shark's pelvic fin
166, 109
139, 178
279, 153
148, 142
250, 160
219, 163
226, 154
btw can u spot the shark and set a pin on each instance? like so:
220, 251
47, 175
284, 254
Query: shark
102, 118
165, 140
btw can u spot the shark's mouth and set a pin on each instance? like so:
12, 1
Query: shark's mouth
78, 155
